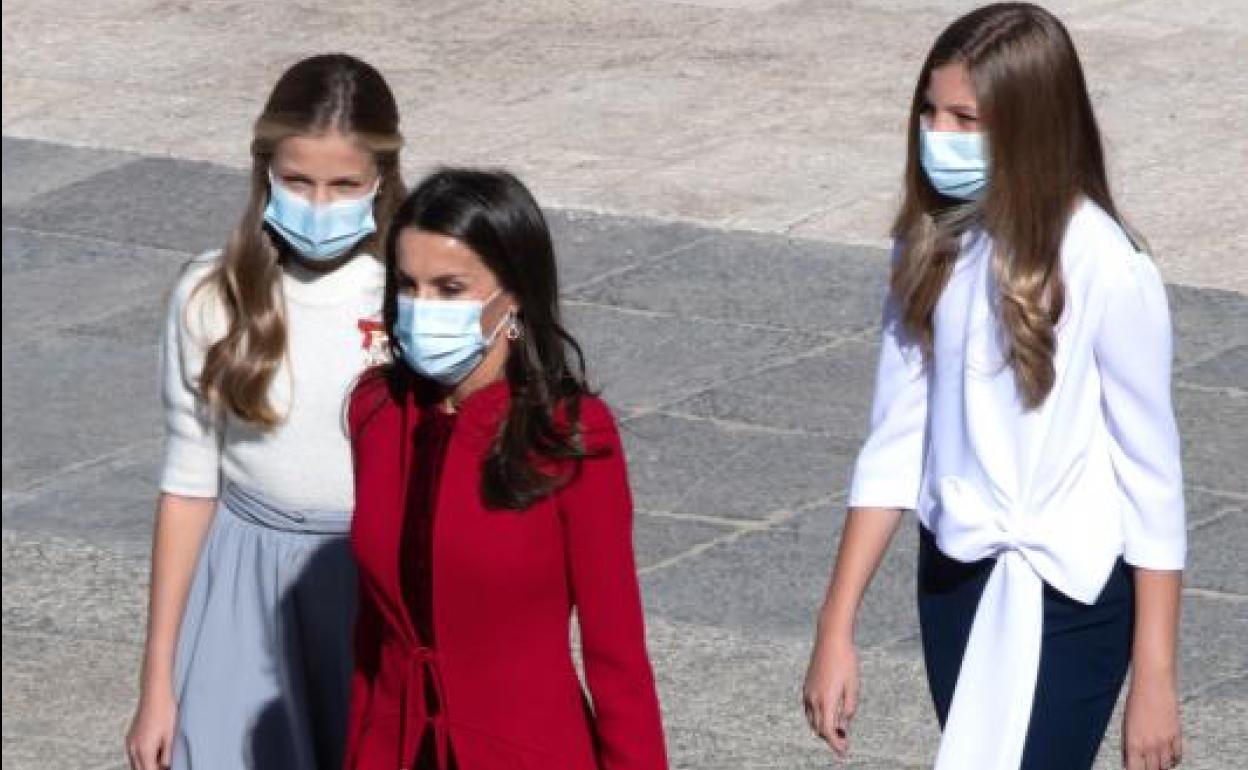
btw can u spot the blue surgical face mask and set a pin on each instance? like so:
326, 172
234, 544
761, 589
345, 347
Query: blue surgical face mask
319, 231
443, 339
955, 162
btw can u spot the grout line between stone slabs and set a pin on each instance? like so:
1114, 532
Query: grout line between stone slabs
29, 489
1237, 496
884, 646
787, 743
703, 518
749, 325
764, 368
1199, 692
75, 329
96, 239
634, 266
788, 227
32, 633
1213, 390
1196, 526
1235, 343
55, 741
1215, 595
740, 424
764, 524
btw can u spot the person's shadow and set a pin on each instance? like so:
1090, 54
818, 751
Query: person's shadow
307, 730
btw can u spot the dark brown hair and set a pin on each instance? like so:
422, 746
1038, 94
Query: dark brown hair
1044, 152
492, 213
331, 92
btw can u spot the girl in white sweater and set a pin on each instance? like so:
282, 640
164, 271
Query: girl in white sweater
247, 661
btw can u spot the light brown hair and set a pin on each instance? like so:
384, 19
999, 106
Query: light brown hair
330, 92
1044, 151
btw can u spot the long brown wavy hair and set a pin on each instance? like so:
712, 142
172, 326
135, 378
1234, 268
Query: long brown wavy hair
330, 92
1044, 153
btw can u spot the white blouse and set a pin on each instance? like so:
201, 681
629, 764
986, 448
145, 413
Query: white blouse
1056, 494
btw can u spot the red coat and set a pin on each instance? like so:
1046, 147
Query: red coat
496, 685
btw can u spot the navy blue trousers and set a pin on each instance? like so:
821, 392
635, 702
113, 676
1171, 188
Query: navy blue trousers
1083, 657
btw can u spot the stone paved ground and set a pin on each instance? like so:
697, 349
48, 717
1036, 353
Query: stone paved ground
741, 364
773, 115
740, 360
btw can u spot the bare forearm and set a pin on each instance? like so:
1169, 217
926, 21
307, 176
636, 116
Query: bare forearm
867, 534
1157, 595
181, 526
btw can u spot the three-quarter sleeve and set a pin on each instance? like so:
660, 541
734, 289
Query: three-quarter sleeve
889, 470
1133, 351
597, 512
192, 465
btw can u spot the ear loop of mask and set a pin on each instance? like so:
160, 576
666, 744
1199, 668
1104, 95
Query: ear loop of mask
508, 318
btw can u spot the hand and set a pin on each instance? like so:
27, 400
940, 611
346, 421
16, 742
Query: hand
1151, 735
830, 693
149, 743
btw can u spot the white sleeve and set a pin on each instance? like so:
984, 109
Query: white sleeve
192, 465
889, 470
1133, 353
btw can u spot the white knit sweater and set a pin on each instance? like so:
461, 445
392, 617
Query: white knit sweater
333, 334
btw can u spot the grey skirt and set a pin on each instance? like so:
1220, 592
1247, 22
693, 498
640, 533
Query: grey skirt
263, 665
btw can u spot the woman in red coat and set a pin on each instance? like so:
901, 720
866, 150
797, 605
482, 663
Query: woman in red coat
492, 499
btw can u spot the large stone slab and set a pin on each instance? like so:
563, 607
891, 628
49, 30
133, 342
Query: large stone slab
749, 278
1206, 507
731, 110
1214, 566
156, 202
73, 588
647, 360
1215, 725
826, 393
53, 283
592, 247
1225, 370
659, 538
738, 695
681, 465
1206, 322
72, 400
774, 579
32, 168
25, 752
1211, 647
111, 502
69, 699
1214, 439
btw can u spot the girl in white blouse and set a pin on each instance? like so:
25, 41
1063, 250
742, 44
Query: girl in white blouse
1022, 410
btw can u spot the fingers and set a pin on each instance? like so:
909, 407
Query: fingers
812, 714
838, 735
849, 706
1163, 757
149, 753
165, 757
141, 758
827, 721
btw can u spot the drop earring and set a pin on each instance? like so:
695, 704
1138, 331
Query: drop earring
514, 332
